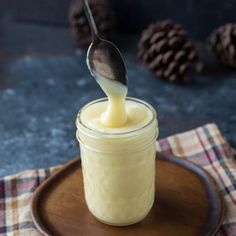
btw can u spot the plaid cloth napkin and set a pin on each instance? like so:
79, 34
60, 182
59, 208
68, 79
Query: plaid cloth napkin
205, 146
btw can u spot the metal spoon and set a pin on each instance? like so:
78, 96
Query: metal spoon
103, 57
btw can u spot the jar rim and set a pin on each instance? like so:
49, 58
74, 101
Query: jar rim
93, 132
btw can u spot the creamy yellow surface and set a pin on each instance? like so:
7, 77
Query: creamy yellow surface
137, 116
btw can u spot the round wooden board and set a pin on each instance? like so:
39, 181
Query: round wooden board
187, 203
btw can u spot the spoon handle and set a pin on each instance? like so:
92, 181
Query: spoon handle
90, 18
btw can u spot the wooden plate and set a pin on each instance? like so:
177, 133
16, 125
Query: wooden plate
187, 203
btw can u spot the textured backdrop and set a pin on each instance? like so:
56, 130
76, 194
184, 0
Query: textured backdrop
198, 16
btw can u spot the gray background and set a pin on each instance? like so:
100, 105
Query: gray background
198, 16
44, 80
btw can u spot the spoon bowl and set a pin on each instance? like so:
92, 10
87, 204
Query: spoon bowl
104, 60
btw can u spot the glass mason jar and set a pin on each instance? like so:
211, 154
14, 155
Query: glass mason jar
118, 170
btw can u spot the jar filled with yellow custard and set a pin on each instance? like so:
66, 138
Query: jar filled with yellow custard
118, 163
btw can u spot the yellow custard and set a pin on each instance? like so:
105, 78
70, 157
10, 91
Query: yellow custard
118, 164
115, 114
136, 115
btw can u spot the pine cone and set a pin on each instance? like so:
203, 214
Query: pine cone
166, 50
103, 16
222, 42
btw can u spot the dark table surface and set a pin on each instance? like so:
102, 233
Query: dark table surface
44, 81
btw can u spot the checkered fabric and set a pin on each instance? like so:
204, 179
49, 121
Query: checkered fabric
204, 146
